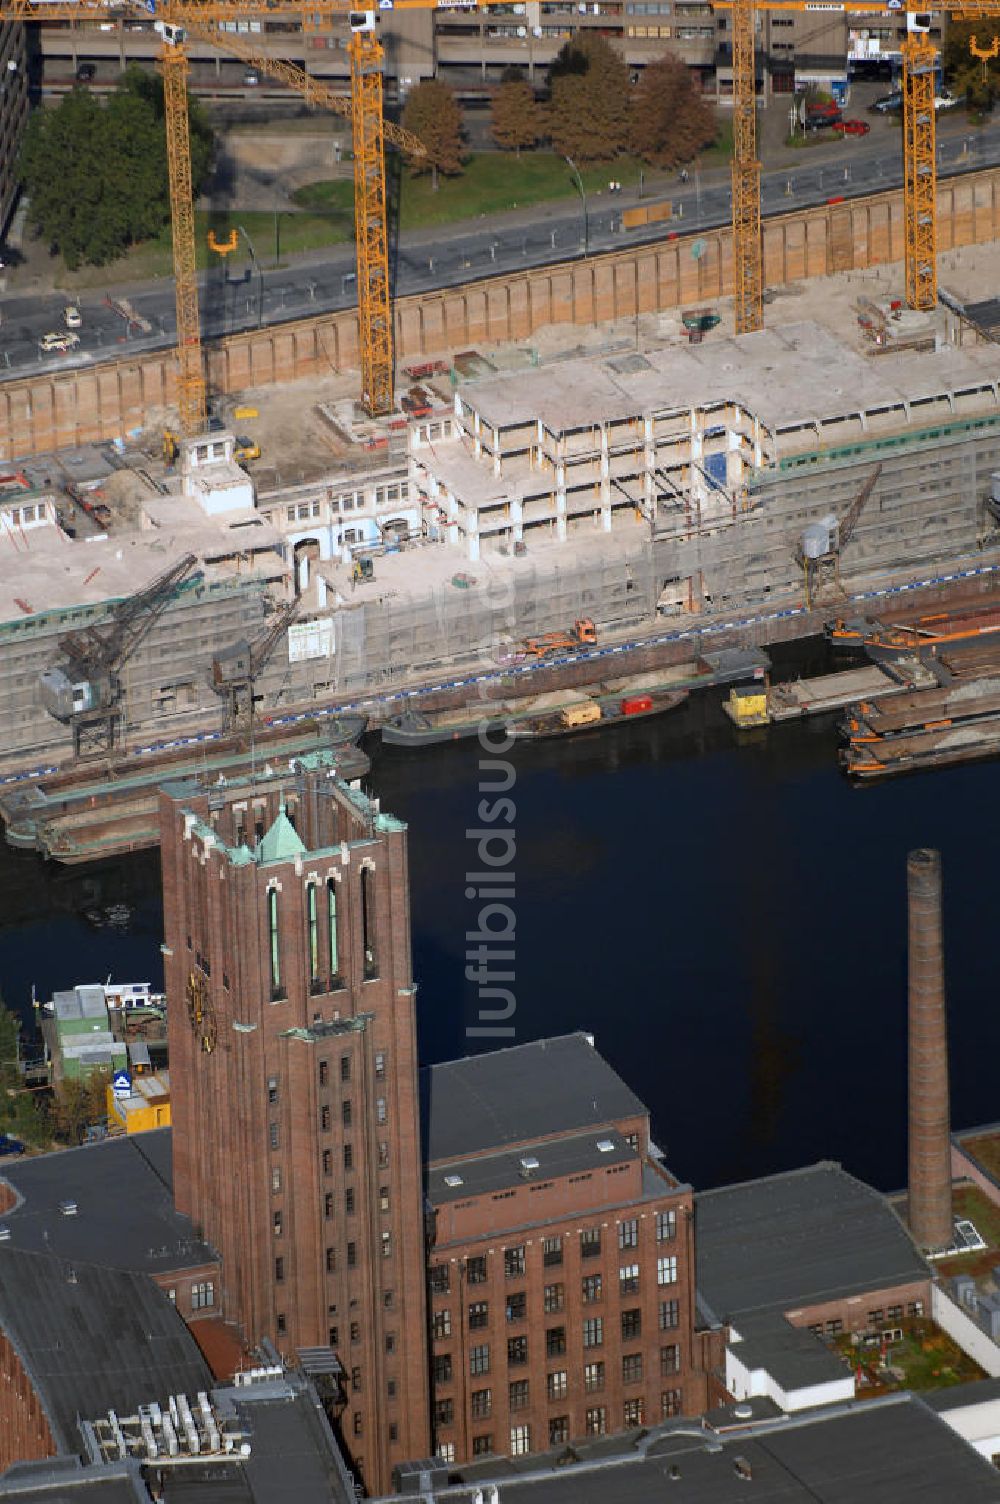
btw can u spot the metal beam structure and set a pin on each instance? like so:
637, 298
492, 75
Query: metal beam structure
919, 172
748, 271
191, 402
370, 224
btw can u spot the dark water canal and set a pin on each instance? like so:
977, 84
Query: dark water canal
726, 916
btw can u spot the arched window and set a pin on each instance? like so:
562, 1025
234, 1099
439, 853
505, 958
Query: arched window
312, 933
331, 911
368, 922
274, 946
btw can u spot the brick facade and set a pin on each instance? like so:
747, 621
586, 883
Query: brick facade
24, 1429
563, 1307
293, 1069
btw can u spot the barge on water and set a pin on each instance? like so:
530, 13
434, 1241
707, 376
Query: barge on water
91, 810
596, 715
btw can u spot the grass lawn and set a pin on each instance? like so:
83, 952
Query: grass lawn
986, 1150
296, 232
969, 1201
927, 1358
492, 182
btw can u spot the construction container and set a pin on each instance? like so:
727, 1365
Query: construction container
636, 704
581, 715
748, 706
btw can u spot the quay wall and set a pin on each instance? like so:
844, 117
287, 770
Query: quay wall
102, 402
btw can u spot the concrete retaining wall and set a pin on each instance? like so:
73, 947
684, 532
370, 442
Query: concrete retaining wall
104, 402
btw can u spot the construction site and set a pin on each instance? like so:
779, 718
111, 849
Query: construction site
256, 549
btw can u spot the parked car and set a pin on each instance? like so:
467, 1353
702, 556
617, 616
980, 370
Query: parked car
10, 1145
58, 340
72, 317
246, 449
888, 104
251, 78
852, 127
945, 101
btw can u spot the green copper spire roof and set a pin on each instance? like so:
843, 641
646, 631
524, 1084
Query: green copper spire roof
282, 841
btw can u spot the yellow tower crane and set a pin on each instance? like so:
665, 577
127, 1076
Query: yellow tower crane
176, 21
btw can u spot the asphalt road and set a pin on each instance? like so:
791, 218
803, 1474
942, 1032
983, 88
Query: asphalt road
247, 297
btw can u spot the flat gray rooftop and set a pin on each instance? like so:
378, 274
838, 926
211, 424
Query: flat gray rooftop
796, 1239
518, 1096
893, 1451
125, 1216
793, 1356
571, 1155
792, 374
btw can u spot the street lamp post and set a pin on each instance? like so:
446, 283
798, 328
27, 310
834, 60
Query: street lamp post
583, 199
260, 276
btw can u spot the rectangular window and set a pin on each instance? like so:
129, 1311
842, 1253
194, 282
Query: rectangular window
444, 1412
590, 1243
331, 1260
558, 1430
380, 1110
553, 1299
557, 1384
348, 1156
895, 1313
520, 1441
349, 1201
324, 1118
273, 1135
628, 1279
475, 1270
328, 1204
345, 1068
592, 1289
666, 1270
277, 1223
632, 1368
274, 945
479, 1359
555, 1341
593, 1377
272, 1090
439, 1279
482, 1403
327, 1162
352, 1255
593, 1332
482, 1446
628, 1234
631, 1325
441, 1324
276, 1179
874, 1317
552, 1252
479, 1314
666, 1226
513, 1262
517, 1351
386, 1245
670, 1360
202, 1295
597, 1421
379, 1066
324, 1072
670, 1404
517, 1397
345, 1112
279, 1270
368, 936
632, 1412
517, 1305
670, 1314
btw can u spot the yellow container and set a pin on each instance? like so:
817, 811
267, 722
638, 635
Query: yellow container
581, 715
245, 412
748, 707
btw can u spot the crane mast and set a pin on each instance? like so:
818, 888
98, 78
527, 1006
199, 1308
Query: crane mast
83, 688
236, 669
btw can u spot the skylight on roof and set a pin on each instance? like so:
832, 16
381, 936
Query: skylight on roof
529, 1162
606, 1145
453, 1180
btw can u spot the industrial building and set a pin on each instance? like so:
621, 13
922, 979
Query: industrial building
561, 1269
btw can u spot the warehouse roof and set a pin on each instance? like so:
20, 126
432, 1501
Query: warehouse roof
518, 1095
793, 1356
531, 1163
93, 1338
891, 1451
124, 1218
796, 1239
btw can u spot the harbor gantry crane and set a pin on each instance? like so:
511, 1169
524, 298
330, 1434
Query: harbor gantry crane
822, 545
175, 21
236, 670
83, 688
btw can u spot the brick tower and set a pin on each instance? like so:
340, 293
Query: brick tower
294, 1083
930, 1214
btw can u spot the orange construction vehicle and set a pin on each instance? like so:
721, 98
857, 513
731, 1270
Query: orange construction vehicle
583, 634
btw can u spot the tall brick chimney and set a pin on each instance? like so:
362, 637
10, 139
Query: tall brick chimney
930, 1148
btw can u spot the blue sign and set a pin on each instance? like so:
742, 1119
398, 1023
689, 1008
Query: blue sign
121, 1084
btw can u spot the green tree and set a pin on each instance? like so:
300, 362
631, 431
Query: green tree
432, 114
974, 79
671, 119
518, 119
590, 101
22, 1112
96, 173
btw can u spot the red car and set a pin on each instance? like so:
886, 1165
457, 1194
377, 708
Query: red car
852, 127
